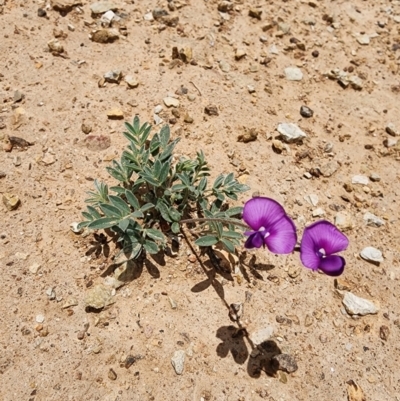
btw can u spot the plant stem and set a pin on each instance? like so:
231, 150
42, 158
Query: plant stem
220, 220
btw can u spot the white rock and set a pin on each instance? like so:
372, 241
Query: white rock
290, 132
171, 102
101, 7
35, 268
318, 212
178, 361
363, 39
158, 109
372, 254
148, 17
293, 74
358, 306
262, 335
360, 179
74, 228
107, 17
312, 199
273, 50
372, 220
157, 119
131, 81
343, 221
39, 318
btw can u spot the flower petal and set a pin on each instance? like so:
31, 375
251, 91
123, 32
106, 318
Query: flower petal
282, 236
309, 251
262, 212
325, 235
254, 241
332, 265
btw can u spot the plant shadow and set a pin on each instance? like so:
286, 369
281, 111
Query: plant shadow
258, 360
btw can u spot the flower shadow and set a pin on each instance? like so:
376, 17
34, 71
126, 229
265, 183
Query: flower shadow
234, 342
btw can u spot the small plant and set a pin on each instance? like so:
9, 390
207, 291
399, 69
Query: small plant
156, 194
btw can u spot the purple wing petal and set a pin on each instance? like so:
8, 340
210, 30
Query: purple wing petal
262, 212
325, 235
332, 265
309, 250
254, 241
282, 236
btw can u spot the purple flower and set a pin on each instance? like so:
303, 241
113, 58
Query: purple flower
319, 243
270, 224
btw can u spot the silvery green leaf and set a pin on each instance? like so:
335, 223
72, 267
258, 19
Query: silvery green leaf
206, 240
102, 223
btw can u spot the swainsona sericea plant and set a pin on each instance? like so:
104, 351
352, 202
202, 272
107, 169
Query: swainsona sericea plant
273, 228
157, 193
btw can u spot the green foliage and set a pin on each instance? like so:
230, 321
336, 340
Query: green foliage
155, 193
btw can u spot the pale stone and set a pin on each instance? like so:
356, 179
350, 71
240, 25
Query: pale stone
115, 113
101, 7
171, 101
98, 297
358, 306
312, 199
262, 335
344, 222
290, 132
178, 361
372, 220
293, 74
360, 179
131, 81
372, 254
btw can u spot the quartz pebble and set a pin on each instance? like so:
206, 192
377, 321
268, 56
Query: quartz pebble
101, 7
178, 361
312, 199
171, 102
372, 220
293, 74
360, 179
358, 306
131, 81
372, 254
318, 212
113, 76
290, 132
34, 268
39, 318
262, 335
329, 168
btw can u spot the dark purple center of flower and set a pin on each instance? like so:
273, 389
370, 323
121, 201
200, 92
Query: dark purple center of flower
321, 253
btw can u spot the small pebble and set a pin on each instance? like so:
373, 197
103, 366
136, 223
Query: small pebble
39, 318
41, 12
112, 375
384, 332
178, 361
306, 112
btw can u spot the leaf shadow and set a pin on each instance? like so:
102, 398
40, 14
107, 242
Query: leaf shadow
253, 267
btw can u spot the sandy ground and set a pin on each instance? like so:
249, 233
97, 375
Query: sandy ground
51, 348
